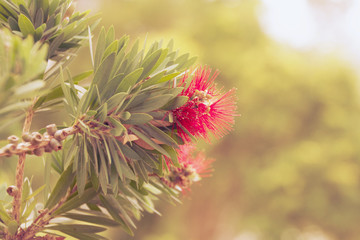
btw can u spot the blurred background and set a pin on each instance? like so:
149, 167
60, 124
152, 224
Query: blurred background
291, 168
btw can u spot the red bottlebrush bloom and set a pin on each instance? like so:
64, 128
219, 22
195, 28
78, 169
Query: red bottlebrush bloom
192, 168
198, 162
207, 110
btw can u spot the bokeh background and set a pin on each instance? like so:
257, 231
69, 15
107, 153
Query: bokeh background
290, 170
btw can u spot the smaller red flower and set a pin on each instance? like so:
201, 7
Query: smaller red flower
207, 110
193, 167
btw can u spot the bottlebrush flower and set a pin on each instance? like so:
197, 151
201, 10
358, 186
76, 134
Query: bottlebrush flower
192, 168
207, 110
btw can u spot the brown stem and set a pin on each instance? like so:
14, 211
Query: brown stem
26, 147
19, 177
42, 220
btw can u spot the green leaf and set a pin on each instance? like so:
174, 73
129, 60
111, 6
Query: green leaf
82, 76
129, 81
13, 227
61, 187
152, 103
15, 107
76, 201
116, 101
110, 36
101, 113
152, 61
83, 228
91, 113
102, 74
4, 216
25, 25
81, 168
112, 48
148, 159
13, 24
92, 217
113, 212
175, 103
100, 47
28, 89
158, 134
36, 192
118, 127
112, 85
138, 119
30, 208
150, 142
173, 155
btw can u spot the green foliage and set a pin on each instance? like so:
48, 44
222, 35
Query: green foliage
121, 142
293, 162
23, 64
51, 22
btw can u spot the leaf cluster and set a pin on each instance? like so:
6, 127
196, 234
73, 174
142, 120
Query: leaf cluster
51, 22
110, 169
21, 70
126, 130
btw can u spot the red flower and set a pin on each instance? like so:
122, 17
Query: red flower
198, 163
207, 110
192, 168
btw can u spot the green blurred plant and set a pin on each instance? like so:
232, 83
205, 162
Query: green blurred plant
121, 150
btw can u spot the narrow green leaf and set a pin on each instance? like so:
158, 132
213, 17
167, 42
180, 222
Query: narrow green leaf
152, 103
76, 201
101, 113
173, 155
12, 227
150, 62
102, 74
82, 168
28, 89
25, 25
92, 217
112, 48
36, 192
116, 100
111, 86
4, 216
82, 76
112, 211
100, 47
118, 127
110, 36
138, 119
83, 228
13, 24
130, 80
30, 208
61, 187
158, 134
175, 103
150, 142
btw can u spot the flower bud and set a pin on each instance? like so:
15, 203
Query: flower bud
39, 151
60, 135
26, 137
30, 152
48, 148
51, 129
55, 144
10, 148
36, 138
12, 190
13, 139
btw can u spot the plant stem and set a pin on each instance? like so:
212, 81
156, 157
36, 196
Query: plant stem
42, 220
19, 177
